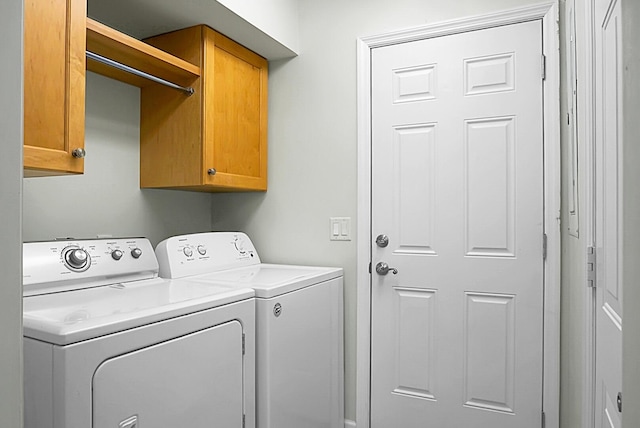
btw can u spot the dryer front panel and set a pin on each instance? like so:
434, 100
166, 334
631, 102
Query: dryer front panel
193, 381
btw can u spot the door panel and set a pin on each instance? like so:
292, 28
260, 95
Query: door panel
609, 311
457, 161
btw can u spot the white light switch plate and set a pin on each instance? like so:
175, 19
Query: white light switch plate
340, 229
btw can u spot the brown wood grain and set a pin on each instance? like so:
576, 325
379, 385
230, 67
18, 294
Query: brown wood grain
223, 126
54, 85
112, 44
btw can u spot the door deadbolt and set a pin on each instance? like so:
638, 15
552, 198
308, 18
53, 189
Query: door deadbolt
382, 241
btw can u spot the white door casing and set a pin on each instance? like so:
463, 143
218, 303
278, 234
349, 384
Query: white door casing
547, 14
457, 185
608, 213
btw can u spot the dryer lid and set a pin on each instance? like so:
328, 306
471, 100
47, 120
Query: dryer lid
270, 280
73, 316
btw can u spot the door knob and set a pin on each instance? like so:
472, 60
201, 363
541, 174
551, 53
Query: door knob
382, 241
382, 269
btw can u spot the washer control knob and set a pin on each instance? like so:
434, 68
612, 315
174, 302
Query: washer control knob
136, 253
188, 251
202, 250
116, 254
77, 258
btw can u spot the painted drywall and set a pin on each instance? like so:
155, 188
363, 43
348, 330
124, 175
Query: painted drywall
106, 199
10, 208
312, 140
278, 18
268, 27
631, 214
574, 242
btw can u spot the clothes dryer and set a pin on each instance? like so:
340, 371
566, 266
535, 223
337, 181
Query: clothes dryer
299, 324
109, 344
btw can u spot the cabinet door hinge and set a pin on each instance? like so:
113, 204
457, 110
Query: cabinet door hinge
369, 267
544, 246
544, 420
591, 267
244, 421
544, 67
243, 347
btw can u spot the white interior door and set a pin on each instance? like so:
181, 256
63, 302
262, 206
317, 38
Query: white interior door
608, 76
457, 186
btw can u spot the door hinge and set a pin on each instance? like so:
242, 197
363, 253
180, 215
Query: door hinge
369, 267
243, 348
619, 401
544, 420
591, 267
544, 246
544, 67
244, 420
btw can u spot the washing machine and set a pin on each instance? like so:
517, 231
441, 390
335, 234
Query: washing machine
299, 324
109, 344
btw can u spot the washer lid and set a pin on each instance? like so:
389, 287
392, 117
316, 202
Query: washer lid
269, 280
73, 316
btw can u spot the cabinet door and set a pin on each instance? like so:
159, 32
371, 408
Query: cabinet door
235, 109
54, 86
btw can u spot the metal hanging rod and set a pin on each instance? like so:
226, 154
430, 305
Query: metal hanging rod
119, 66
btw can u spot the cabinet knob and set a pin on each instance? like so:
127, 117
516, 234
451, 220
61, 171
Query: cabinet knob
211, 171
79, 153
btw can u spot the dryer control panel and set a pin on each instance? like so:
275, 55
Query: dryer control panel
193, 254
54, 266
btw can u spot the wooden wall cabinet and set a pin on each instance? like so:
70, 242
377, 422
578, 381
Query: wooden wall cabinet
216, 139
54, 86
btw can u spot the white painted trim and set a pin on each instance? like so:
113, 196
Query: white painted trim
553, 186
586, 134
548, 13
363, 291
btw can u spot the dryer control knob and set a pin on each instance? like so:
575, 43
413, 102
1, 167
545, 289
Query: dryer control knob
116, 254
187, 251
136, 253
77, 259
202, 250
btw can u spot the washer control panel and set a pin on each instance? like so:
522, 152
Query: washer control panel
70, 264
186, 255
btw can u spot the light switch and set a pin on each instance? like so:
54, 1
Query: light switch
340, 229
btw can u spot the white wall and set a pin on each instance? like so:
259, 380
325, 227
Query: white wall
10, 189
312, 140
277, 18
268, 27
107, 198
631, 214
573, 329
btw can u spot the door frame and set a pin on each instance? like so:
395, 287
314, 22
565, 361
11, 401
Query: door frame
548, 14
585, 116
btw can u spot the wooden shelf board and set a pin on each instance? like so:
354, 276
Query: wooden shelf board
112, 44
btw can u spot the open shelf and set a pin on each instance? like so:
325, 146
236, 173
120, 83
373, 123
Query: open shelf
119, 47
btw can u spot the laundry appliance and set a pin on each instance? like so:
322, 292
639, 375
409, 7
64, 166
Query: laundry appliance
109, 344
299, 324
